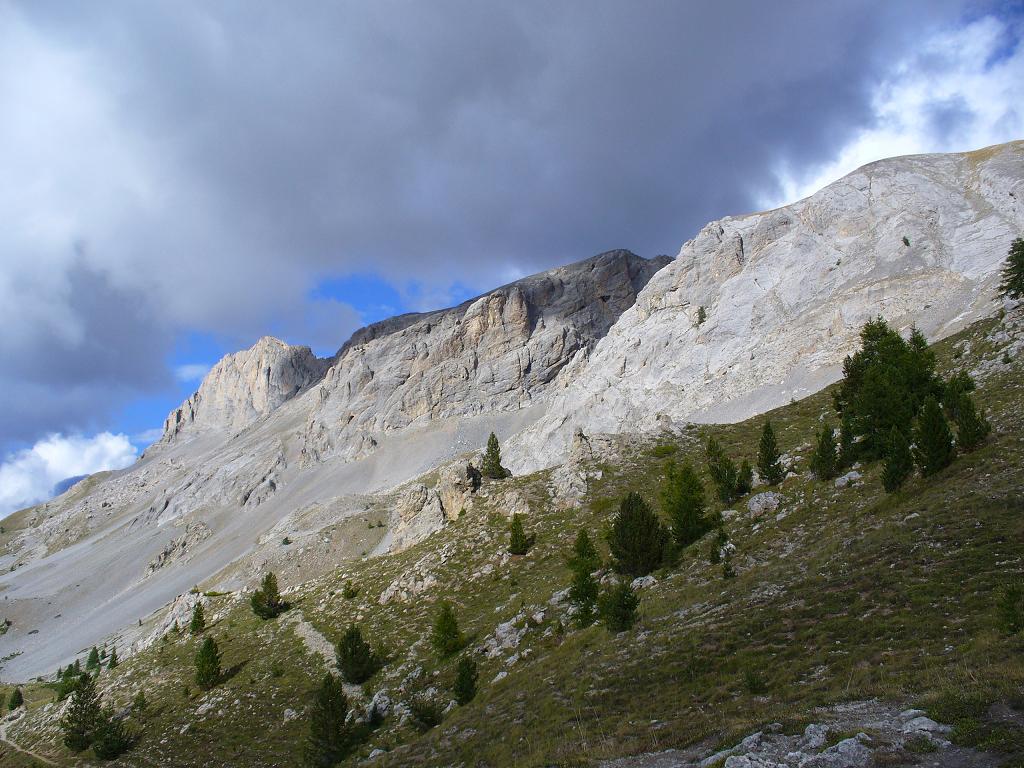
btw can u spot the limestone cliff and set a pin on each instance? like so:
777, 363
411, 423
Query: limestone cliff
917, 240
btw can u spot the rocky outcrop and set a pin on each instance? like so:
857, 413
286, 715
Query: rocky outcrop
244, 386
914, 239
499, 352
180, 547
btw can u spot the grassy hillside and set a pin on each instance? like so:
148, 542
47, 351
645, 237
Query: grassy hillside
840, 595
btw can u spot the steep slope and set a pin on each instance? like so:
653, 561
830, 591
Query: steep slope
849, 606
276, 441
914, 239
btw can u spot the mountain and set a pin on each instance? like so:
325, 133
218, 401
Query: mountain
918, 240
288, 462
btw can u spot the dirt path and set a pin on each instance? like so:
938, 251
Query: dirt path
4, 724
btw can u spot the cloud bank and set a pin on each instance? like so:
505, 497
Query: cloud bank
183, 166
28, 476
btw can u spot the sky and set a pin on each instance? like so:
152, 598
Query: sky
183, 177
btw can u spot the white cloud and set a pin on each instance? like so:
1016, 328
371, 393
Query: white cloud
148, 437
191, 371
28, 476
960, 90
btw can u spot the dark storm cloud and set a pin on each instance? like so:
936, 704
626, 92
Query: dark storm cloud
215, 160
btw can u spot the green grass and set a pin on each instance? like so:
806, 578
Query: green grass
841, 595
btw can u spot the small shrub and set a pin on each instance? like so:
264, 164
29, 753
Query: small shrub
664, 451
702, 316
16, 700
111, 738
139, 703
920, 745
1010, 609
906, 241
754, 681
350, 591
825, 459
426, 712
744, 479
722, 471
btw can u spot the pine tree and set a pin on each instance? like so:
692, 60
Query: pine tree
466, 676
266, 601
92, 664
518, 543
702, 315
68, 682
768, 464
583, 590
959, 386
682, 501
16, 700
139, 703
112, 664
446, 637
198, 623
847, 448
492, 460
744, 479
618, 607
356, 660
1012, 286
329, 739
82, 715
208, 672
899, 463
722, 470
825, 458
637, 537
971, 427
111, 737
584, 556
583, 595
934, 449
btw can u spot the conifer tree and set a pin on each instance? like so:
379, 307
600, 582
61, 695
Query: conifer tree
825, 459
16, 700
139, 703
208, 672
93, 662
329, 739
933, 439
198, 622
722, 470
971, 426
583, 593
959, 386
82, 715
702, 315
492, 460
744, 479
111, 737
583, 590
356, 660
68, 682
768, 464
446, 637
466, 677
683, 503
847, 449
266, 601
618, 607
899, 463
113, 662
518, 543
584, 556
637, 537
1012, 286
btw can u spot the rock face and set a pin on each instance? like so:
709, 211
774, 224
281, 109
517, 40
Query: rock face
244, 386
915, 239
498, 352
